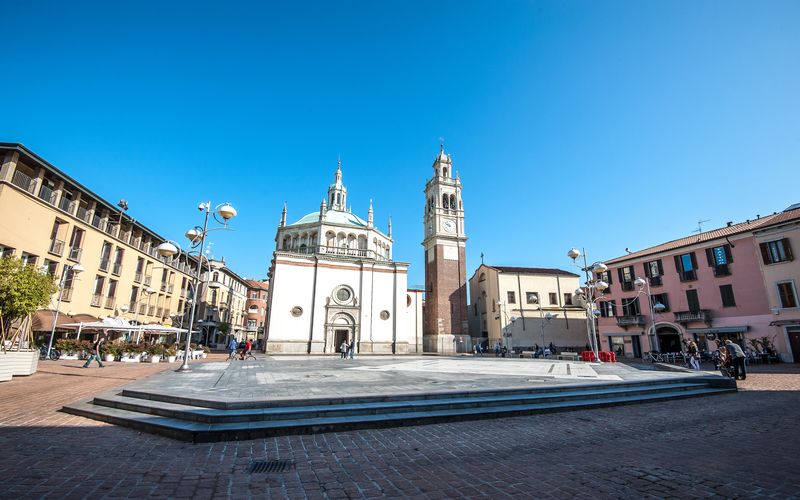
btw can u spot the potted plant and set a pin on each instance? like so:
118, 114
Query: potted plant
156, 351
112, 351
132, 353
206, 351
70, 348
172, 353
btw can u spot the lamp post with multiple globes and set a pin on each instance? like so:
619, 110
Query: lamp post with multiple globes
222, 213
587, 296
69, 273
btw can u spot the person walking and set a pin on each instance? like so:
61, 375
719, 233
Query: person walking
343, 349
694, 355
497, 350
94, 353
232, 345
246, 350
737, 359
351, 349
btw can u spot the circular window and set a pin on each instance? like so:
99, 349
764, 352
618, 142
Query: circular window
343, 294
384, 314
297, 311
408, 300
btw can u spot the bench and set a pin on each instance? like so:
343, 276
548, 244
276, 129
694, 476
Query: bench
570, 356
527, 354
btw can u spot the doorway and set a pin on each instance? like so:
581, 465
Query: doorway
669, 340
794, 342
339, 337
636, 346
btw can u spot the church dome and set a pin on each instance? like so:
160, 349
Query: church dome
333, 217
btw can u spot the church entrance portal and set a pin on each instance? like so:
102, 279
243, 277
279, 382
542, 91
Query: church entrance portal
669, 340
339, 337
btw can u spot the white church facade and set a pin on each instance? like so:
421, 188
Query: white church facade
333, 279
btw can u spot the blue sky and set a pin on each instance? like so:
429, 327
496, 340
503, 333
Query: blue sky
599, 124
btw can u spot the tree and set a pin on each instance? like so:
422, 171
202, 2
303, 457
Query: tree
23, 289
224, 328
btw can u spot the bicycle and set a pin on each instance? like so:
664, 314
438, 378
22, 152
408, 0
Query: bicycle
237, 355
54, 354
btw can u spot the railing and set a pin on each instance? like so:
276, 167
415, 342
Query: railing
117, 269
137, 277
75, 254
142, 308
722, 270
688, 275
97, 299
170, 288
627, 286
688, 316
56, 247
159, 311
66, 205
655, 281
104, 264
47, 194
82, 213
132, 306
111, 229
151, 310
66, 294
137, 242
98, 222
148, 280
336, 251
632, 320
110, 302
22, 180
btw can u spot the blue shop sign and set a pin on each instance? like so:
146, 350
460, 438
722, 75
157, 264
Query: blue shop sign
719, 256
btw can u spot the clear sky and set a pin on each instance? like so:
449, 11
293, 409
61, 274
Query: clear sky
599, 124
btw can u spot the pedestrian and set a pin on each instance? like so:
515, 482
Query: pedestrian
694, 355
552, 348
343, 349
94, 353
480, 349
352, 349
737, 359
246, 350
232, 347
497, 350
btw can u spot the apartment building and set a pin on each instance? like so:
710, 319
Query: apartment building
54, 222
256, 306
734, 282
221, 311
525, 306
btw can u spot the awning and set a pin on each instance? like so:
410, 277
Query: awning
621, 334
84, 318
43, 320
785, 322
721, 329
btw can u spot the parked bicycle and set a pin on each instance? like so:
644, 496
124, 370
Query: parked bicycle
238, 355
53, 355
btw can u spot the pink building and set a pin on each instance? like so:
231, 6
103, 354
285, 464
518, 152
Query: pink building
712, 286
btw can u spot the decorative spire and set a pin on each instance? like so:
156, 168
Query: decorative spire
323, 207
337, 193
390, 227
283, 215
370, 214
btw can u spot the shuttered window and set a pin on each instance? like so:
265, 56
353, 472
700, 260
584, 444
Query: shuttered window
776, 251
726, 291
787, 295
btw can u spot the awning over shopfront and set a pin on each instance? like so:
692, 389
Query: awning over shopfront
785, 322
718, 330
43, 320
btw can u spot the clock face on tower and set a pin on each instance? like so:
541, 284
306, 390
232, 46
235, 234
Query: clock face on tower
449, 226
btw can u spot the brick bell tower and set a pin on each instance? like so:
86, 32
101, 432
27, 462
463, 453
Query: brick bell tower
445, 313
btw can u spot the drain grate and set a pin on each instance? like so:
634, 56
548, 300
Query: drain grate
266, 466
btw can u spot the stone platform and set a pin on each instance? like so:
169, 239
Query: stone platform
290, 395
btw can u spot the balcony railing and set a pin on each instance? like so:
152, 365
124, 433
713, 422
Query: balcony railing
82, 214
132, 306
22, 180
56, 247
722, 270
111, 229
163, 287
627, 286
104, 264
151, 310
75, 254
688, 275
159, 311
148, 280
689, 316
655, 281
66, 205
47, 194
97, 299
66, 294
117, 268
632, 320
337, 251
142, 308
170, 288
110, 302
98, 222
137, 277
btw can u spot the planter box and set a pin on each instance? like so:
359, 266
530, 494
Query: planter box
69, 356
18, 363
155, 358
131, 358
171, 359
109, 358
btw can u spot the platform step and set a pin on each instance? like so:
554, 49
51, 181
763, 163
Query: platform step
210, 415
189, 430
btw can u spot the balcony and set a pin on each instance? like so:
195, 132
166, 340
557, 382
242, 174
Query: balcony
104, 264
96, 300
110, 302
111, 229
627, 286
66, 294
633, 320
722, 270
148, 280
24, 181
57, 247
137, 277
151, 311
163, 287
688, 275
170, 288
132, 306
47, 194
117, 268
75, 254
66, 205
655, 281
82, 214
98, 222
142, 308
689, 316
159, 311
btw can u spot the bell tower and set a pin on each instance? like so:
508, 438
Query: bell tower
445, 313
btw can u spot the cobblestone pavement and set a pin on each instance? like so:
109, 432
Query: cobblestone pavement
737, 445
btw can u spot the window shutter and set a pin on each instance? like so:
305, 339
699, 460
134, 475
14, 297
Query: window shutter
619, 273
787, 249
710, 256
765, 253
728, 254
647, 269
678, 264
608, 275
694, 261
660, 268
665, 301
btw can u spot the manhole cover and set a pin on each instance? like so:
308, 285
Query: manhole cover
266, 466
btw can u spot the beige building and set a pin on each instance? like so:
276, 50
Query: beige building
505, 308
54, 222
224, 295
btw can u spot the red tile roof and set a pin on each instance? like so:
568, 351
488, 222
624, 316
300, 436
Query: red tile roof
742, 227
532, 270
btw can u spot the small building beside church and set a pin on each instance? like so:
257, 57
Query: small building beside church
333, 279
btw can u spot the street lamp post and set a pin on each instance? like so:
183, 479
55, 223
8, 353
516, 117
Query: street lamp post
586, 297
72, 272
542, 316
655, 307
197, 238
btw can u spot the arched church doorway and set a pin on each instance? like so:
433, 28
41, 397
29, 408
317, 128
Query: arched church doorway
343, 330
669, 339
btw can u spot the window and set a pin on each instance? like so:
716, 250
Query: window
786, 294
51, 266
686, 266
605, 276
567, 299
661, 298
343, 294
29, 259
608, 309
630, 307
254, 295
653, 270
482, 277
512, 298
105, 256
719, 258
532, 297
6, 251
251, 323
626, 277
693, 300
553, 299
726, 291
776, 251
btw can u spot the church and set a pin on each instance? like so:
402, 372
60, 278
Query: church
333, 278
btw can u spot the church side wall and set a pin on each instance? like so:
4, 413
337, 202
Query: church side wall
289, 333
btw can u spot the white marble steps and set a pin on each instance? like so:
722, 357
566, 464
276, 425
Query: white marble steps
202, 424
